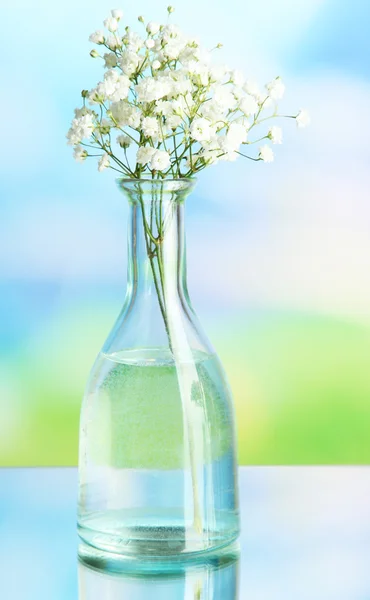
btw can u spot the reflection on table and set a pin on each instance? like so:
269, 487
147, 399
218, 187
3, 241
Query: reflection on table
305, 535
213, 579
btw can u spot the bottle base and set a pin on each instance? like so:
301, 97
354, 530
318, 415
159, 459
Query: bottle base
153, 541
164, 565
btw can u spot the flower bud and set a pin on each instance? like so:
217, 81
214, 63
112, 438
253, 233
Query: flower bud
117, 13
94, 53
141, 19
105, 126
85, 93
170, 9
124, 141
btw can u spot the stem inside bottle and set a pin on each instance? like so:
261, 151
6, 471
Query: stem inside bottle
160, 232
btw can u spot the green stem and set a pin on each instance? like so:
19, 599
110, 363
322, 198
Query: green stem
155, 277
197, 523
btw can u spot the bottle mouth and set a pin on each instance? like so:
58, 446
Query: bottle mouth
163, 186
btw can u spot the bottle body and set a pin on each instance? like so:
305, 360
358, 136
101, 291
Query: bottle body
157, 462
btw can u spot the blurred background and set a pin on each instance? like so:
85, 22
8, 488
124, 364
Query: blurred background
285, 298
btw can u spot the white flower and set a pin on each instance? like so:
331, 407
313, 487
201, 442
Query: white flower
237, 133
276, 89
243, 121
224, 98
173, 121
171, 32
113, 42
108, 87
79, 154
201, 129
97, 95
117, 13
181, 84
182, 105
217, 73
198, 69
133, 41
187, 55
238, 93
150, 43
81, 112
237, 77
266, 154
110, 60
156, 65
160, 160
124, 141
129, 62
303, 118
152, 28
202, 55
211, 149
150, 127
252, 88
116, 86
235, 136
97, 37
144, 154
111, 24
150, 89
225, 144
164, 107
248, 105
212, 111
103, 163
125, 115
276, 135
173, 41
122, 89
172, 49
81, 128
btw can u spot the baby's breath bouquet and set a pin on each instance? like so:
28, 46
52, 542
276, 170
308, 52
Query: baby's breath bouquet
162, 98
164, 111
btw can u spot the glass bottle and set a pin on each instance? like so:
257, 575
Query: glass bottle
157, 468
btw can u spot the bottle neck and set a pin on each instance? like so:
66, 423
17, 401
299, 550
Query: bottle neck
157, 313
156, 250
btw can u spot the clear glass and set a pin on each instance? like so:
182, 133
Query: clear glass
157, 468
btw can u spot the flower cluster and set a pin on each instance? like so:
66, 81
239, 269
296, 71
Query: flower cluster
163, 109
